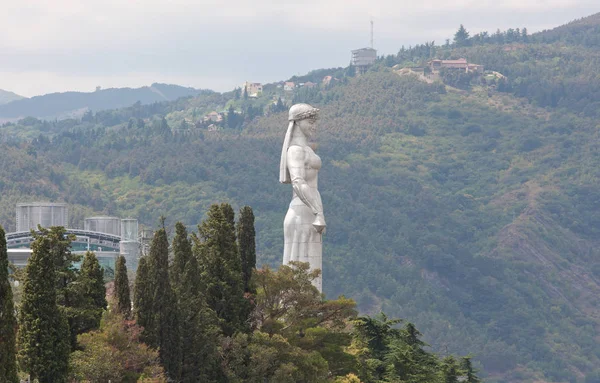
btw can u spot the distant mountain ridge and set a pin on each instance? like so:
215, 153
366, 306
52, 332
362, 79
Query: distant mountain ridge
58, 105
7, 96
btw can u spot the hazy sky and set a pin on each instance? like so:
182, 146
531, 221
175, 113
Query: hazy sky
58, 45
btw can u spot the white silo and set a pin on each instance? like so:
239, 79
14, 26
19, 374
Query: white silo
45, 214
108, 225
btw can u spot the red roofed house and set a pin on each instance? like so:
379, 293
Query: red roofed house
289, 86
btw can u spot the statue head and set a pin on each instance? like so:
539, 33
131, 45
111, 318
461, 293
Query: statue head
300, 112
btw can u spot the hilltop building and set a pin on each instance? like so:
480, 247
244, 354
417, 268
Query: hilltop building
363, 58
108, 237
253, 88
289, 86
460, 64
214, 117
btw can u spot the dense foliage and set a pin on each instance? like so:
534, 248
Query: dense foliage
122, 296
44, 340
474, 210
115, 353
8, 322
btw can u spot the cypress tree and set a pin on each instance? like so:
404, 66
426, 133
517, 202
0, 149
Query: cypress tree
165, 327
122, 287
182, 253
69, 295
222, 269
247, 245
44, 331
199, 330
92, 282
142, 300
8, 321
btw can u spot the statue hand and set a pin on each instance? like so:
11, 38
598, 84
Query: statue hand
319, 223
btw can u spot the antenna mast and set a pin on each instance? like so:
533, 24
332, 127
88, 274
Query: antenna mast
371, 34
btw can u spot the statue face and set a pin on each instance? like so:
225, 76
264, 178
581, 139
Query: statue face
308, 126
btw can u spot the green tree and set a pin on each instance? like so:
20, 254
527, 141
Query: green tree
221, 268
406, 360
91, 283
8, 321
114, 353
182, 253
247, 245
164, 328
245, 92
122, 296
142, 300
233, 119
44, 331
199, 330
467, 367
461, 37
524, 35
70, 293
287, 304
450, 370
262, 357
279, 107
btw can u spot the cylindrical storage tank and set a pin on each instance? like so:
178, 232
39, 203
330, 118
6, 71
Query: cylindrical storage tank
108, 225
131, 251
129, 229
45, 214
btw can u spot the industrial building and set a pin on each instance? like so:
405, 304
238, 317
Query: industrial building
107, 237
363, 58
46, 214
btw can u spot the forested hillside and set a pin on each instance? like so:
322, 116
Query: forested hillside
471, 212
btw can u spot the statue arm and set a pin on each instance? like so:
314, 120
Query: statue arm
308, 195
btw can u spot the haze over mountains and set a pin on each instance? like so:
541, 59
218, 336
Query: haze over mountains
468, 207
74, 104
7, 96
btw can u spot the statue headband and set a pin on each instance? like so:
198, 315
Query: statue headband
310, 113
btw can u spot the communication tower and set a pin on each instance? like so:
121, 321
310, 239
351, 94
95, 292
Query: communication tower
363, 58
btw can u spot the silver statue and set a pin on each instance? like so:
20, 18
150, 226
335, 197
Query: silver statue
304, 223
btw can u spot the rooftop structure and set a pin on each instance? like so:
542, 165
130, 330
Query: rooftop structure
363, 58
45, 214
460, 64
110, 225
289, 86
